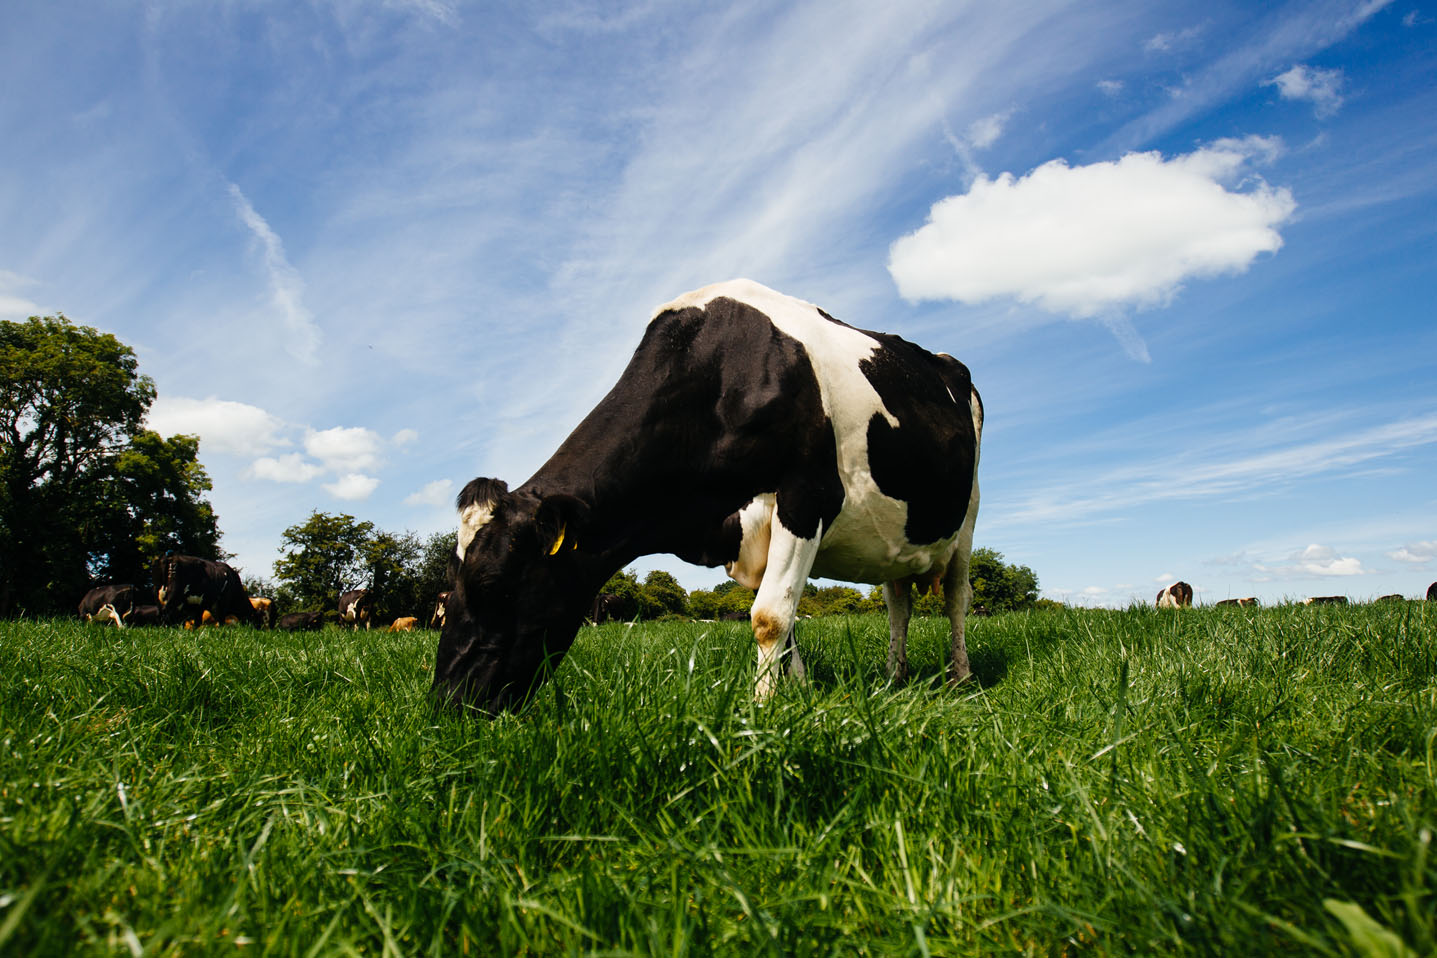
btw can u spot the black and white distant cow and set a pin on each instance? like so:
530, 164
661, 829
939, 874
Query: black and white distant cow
751, 430
1250, 600
110, 603
1179, 595
188, 587
1325, 600
356, 606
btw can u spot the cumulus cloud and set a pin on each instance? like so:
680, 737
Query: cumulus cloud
1324, 561
436, 493
345, 449
222, 425
290, 468
1415, 553
352, 486
1086, 241
404, 437
1321, 88
286, 286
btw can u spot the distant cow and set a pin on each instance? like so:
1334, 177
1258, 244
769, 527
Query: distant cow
356, 606
301, 621
1325, 600
1394, 597
1432, 592
405, 623
750, 430
1250, 600
436, 621
264, 609
145, 615
1179, 595
189, 586
109, 603
615, 608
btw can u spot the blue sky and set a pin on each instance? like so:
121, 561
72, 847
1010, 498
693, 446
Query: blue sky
368, 251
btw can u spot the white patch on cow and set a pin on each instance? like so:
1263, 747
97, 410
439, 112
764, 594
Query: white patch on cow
471, 519
107, 613
754, 519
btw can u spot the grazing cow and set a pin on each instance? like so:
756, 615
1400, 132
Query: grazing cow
436, 621
610, 608
1432, 592
109, 603
356, 606
264, 609
145, 615
405, 623
301, 621
1394, 597
1179, 595
1325, 600
1244, 602
750, 430
188, 587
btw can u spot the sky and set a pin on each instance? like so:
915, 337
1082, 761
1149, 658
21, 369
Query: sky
370, 250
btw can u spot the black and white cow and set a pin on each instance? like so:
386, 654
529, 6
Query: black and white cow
189, 586
1179, 595
356, 606
1250, 600
1432, 592
750, 430
110, 603
436, 620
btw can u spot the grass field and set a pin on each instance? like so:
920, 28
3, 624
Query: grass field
1220, 781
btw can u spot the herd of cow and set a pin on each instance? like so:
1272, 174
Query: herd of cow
1180, 595
190, 592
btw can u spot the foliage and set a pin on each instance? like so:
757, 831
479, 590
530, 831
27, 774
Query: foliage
662, 595
998, 586
1220, 782
84, 489
323, 557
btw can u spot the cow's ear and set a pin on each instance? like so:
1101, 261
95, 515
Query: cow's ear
560, 522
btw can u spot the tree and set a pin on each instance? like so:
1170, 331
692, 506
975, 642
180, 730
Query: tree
1000, 587
322, 557
662, 595
393, 564
84, 489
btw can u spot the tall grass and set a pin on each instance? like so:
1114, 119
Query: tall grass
1218, 781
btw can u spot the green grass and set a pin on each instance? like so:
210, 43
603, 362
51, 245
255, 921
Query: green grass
1218, 782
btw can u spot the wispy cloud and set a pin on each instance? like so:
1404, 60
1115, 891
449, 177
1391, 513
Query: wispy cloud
1322, 88
286, 286
1415, 553
440, 492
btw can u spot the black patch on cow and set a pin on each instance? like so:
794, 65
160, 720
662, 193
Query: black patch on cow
927, 459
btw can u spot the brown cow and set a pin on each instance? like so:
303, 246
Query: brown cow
405, 623
1179, 595
264, 608
1250, 600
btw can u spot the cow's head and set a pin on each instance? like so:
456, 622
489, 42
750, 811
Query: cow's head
519, 595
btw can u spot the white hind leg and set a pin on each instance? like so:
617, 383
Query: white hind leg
898, 596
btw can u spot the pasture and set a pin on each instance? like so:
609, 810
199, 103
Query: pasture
1208, 782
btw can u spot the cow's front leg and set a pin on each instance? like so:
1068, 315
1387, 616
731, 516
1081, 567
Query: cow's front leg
776, 605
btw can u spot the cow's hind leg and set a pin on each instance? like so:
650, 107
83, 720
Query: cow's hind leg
776, 606
898, 596
958, 592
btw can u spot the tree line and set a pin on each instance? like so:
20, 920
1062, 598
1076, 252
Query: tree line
88, 495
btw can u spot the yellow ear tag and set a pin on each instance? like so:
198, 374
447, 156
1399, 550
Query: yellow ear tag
558, 542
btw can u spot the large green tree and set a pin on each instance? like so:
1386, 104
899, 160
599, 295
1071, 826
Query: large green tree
85, 492
322, 557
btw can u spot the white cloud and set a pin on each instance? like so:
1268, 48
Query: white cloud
1089, 240
222, 425
345, 449
13, 306
404, 437
1110, 87
1416, 553
290, 468
286, 286
1164, 42
985, 132
436, 493
352, 486
1322, 88
1324, 561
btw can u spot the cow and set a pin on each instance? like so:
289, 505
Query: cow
609, 607
405, 623
145, 615
110, 603
301, 621
1394, 597
1250, 600
1432, 592
356, 606
264, 610
1325, 600
1179, 595
436, 621
189, 586
750, 430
